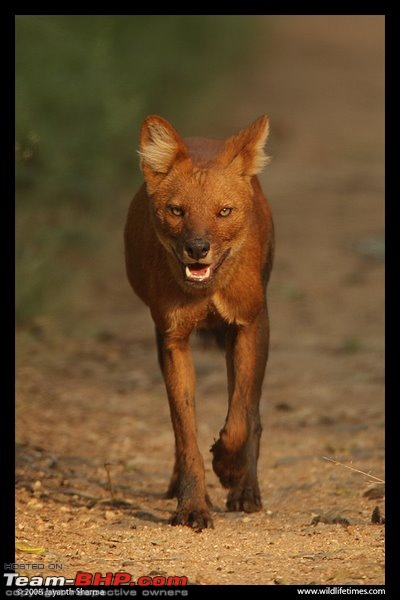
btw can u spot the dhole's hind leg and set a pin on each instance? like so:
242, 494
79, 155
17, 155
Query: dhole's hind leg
244, 494
235, 453
236, 467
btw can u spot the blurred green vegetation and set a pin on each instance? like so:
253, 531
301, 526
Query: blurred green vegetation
83, 85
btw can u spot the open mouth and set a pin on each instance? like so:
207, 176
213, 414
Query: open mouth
198, 272
202, 273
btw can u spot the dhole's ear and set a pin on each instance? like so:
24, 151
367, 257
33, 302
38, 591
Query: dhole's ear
160, 147
245, 150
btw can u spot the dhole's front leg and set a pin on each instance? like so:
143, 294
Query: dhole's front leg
188, 480
236, 452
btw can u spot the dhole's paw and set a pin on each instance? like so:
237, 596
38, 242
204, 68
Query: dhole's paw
197, 519
247, 499
229, 466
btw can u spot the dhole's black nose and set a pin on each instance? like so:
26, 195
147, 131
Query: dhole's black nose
197, 248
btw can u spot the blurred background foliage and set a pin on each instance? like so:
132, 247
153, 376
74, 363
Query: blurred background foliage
83, 86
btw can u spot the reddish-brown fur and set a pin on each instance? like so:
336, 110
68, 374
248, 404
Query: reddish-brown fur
199, 268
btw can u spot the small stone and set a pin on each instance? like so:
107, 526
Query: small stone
283, 407
330, 519
376, 517
373, 493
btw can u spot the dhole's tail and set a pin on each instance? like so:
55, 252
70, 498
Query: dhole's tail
213, 336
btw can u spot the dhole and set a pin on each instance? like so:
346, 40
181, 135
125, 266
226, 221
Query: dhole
199, 249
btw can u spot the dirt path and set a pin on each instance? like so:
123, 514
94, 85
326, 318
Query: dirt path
89, 400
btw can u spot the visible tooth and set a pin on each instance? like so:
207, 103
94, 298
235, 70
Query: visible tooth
192, 275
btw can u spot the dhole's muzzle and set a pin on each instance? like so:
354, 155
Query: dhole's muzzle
197, 260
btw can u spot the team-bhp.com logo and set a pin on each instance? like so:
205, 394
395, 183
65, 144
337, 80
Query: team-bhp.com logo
96, 579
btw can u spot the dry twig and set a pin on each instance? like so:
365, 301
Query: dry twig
336, 462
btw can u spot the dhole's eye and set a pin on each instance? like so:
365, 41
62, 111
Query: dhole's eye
175, 210
225, 212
